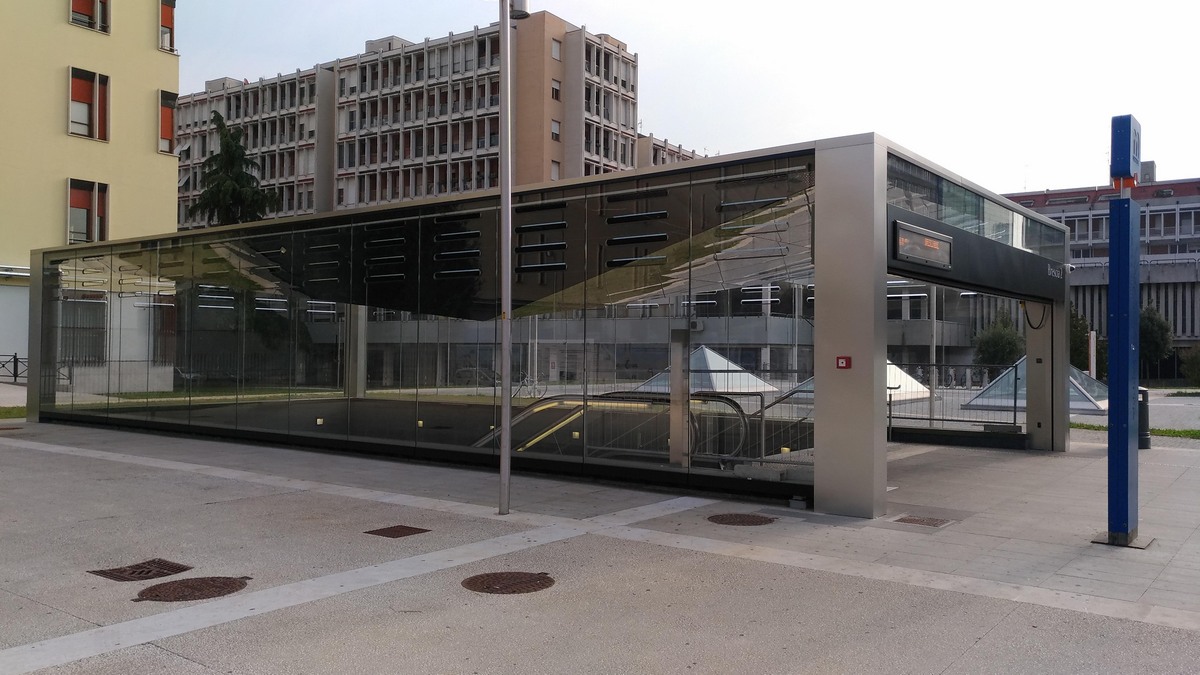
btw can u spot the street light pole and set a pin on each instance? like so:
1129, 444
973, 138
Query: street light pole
509, 10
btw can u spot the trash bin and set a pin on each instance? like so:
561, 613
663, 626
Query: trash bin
1143, 418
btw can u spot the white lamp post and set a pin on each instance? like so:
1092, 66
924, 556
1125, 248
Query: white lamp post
509, 10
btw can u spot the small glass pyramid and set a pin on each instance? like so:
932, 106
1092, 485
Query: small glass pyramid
1085, 394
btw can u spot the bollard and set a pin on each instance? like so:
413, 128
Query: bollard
1143, 418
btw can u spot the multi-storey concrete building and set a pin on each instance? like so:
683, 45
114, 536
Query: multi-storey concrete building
407, 120
87, 152
1170, 248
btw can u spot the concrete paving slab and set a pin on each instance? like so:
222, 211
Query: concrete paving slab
25, 620
295, 519
143, 660
1171, 595
12, 395
615, 607
1035, 639
1130, 592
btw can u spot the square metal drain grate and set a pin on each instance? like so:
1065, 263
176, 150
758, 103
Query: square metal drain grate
151, 569
396, 531
923, 521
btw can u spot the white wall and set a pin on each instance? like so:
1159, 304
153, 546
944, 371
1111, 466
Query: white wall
14, 320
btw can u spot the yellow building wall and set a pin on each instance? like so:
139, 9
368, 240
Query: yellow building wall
38, 156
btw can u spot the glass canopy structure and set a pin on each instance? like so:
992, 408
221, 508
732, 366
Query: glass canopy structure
374, 329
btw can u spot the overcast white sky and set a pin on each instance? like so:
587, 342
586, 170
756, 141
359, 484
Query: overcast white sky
1012, 95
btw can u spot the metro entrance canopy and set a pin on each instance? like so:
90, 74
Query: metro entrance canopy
374, 329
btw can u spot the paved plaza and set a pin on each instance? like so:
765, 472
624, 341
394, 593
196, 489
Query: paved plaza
1000, 574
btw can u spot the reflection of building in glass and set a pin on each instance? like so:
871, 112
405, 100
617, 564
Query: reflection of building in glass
407, 120
1170, 250
376, 329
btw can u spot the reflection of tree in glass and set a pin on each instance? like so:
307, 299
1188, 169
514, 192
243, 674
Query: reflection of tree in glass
999, 344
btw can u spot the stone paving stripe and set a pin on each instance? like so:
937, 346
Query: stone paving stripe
1120, 609
656, 510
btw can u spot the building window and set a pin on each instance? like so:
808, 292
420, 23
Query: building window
555, 130
87, 212
556, 90
555, 170
556, 49
83, 326
166, 121
166, 25
89, 104
90, 14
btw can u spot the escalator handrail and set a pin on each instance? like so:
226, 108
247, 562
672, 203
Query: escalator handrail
661, 397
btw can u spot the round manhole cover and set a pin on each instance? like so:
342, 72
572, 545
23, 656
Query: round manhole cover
507, 583
743, 519
199, 588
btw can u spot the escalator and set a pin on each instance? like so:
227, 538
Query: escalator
627, 426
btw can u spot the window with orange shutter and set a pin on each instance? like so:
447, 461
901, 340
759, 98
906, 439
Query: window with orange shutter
166, 25
87, 212
88, 104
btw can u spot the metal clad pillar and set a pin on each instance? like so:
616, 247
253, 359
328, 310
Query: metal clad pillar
39, 386
1122, 371
850, 249
1047, 358
1123, 319
356, 351
680, 380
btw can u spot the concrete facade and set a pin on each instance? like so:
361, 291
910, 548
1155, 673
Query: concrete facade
407, 120
1170, 248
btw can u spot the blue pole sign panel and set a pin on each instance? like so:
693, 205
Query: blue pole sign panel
1123, 319
1126, 157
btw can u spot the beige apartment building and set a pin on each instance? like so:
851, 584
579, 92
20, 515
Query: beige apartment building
87, 153
407, 120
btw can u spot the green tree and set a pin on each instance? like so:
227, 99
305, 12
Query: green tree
1155, 340
1191, 366
999, 344
1079, 339
230, 192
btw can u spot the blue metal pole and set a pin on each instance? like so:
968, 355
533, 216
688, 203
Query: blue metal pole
1123, 321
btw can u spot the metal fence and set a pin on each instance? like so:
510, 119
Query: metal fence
13, 368
953, 395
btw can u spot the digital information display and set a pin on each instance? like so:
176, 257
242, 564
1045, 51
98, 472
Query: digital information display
918, 245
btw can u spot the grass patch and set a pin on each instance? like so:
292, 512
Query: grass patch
1172, 433
1177, 433
12, 412
1184, 393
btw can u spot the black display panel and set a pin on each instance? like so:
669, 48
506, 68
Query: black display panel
922, 246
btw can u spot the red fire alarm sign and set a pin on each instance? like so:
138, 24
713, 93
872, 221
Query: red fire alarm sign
843, 362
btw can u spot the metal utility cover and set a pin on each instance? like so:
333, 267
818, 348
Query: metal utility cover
151, 569
508, 583
396, 531
198, 588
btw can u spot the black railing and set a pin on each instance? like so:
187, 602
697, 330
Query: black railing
13, 367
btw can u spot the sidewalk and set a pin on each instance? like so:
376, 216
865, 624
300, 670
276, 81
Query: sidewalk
11, 395
1001, 577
